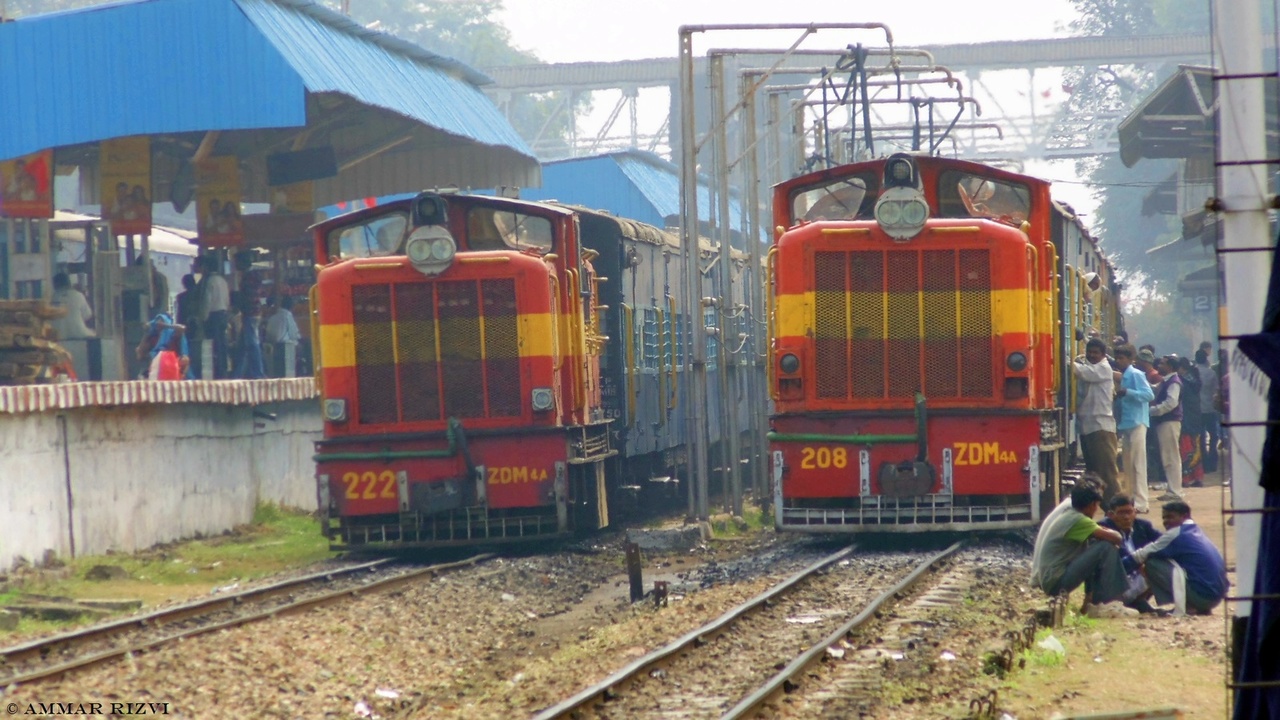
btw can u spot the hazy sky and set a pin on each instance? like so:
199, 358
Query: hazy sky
561, 31
579, 30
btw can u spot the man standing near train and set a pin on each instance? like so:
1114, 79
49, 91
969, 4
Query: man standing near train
1097, 424
1135, 395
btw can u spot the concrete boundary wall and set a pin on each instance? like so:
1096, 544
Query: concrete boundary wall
91, 478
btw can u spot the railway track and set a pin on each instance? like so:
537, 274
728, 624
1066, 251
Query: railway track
730, 667
58, 655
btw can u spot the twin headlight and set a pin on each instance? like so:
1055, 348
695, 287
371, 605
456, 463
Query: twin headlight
431, 249
901, 212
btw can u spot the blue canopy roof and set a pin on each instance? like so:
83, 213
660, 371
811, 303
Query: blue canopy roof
632, 183
167, 66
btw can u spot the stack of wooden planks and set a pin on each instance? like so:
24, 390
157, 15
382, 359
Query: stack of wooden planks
29, 352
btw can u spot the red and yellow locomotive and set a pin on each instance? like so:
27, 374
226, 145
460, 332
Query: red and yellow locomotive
924, 313
458, 347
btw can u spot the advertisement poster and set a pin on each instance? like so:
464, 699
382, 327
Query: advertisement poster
218, 218
26, 186
126, 185
292, 198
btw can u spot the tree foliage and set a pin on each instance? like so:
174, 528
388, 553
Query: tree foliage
1098, 94
465, 30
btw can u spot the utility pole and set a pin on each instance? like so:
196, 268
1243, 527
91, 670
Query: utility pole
696, 367
730, 454
1245, 255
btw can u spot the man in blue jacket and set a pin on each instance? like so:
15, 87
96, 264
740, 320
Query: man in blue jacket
1184, 547
1135, 396
1135, 533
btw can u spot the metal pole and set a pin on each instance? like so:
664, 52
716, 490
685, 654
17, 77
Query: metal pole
774, 155
696, 368
730, 452
756, 390
1241, 194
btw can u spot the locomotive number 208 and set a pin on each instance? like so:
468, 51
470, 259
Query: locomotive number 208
822, 458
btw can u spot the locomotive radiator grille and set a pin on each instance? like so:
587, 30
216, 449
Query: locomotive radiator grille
426, 351
889, 323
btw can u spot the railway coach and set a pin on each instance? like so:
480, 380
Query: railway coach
924, 314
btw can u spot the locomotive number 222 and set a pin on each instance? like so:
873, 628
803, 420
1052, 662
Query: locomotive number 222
822, 458
370, 485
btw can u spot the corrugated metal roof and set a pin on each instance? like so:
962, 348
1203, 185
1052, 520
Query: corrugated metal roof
167, 66
42, 398
632, 183
333, 54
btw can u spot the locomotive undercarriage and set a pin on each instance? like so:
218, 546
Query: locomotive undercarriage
455, 511
908, 514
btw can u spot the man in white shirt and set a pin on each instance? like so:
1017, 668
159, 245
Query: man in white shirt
282, 327
1097, 423
71, 326
215, 300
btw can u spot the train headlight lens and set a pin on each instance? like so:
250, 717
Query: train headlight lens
418, 250
1016, 361
889, 213
789, 363
914, 212
542, 399
335, 410
442, 249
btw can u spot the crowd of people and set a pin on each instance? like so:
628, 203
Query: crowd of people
1137, 412
236, 322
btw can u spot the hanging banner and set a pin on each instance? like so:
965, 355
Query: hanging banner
291, 198
126, 184
26, 186
218, 202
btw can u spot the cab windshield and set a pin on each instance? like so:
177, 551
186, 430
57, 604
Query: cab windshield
964, 195
494, 229
850, 198
375, 237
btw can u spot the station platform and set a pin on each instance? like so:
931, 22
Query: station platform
91, 467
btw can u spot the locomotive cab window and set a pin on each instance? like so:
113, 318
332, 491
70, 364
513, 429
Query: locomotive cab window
848, 198
493, 229
376, 237
965, 195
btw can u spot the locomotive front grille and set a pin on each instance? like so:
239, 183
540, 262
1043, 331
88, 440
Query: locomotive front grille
889, 323
434, 350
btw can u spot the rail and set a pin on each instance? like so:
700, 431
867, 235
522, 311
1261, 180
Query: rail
696, 637
51, 646
758, 698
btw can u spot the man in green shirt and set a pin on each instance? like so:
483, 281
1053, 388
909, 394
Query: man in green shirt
1068, 551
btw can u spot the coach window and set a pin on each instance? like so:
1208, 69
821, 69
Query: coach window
965, 195
849, 198
377, 237
492, 229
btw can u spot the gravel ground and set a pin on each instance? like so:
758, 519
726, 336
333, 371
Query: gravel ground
476, 643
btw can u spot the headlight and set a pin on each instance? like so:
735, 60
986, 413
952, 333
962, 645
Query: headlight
431, 249
442, 249
889, 213
789, 363
901, 212
335, 410
542, 399
1016, 361
914, 212
418, 250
